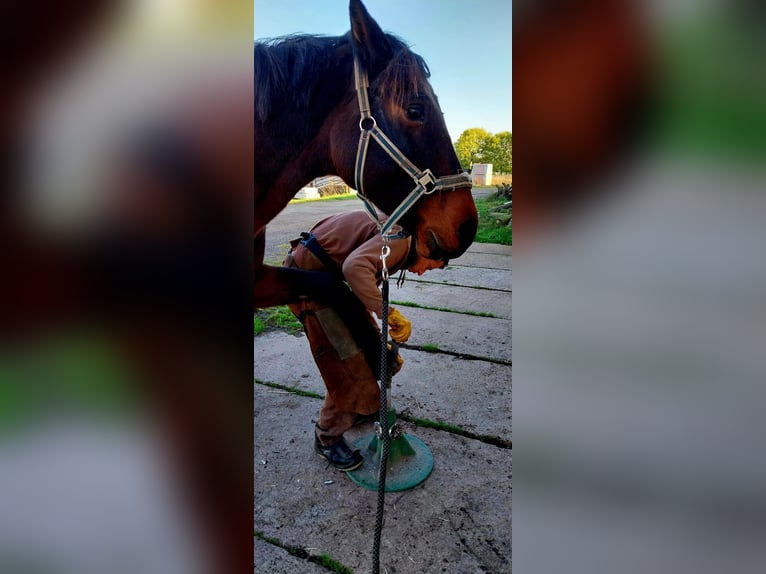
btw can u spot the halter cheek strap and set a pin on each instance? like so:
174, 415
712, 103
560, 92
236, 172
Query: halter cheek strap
425, 181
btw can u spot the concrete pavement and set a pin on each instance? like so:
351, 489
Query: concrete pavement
456, 376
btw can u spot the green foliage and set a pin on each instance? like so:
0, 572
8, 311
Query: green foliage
470, 146
501, 234
498, 151
477, 145
276, 318
490, 231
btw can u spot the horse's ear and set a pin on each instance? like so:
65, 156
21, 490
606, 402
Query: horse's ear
370, 42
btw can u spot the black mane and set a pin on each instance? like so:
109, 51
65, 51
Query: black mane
291, 70
287, 70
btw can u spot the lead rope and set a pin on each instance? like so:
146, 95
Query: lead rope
382, 429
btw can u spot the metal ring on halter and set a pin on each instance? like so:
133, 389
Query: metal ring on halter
363, 119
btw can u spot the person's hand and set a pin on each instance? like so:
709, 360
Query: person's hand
401, 328
394, 359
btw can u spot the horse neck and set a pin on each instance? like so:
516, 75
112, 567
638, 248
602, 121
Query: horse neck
303, 153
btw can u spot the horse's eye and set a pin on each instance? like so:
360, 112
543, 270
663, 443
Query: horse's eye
415, 113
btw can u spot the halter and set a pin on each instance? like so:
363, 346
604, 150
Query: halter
425, 181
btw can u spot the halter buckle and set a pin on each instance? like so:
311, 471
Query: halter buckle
428, 181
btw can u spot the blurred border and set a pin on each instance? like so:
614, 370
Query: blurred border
639, 286
126, 362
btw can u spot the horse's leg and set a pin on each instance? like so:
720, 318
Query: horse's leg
281, 285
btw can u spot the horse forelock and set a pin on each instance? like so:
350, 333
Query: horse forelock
405, 76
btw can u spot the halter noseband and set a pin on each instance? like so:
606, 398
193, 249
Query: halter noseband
425, 182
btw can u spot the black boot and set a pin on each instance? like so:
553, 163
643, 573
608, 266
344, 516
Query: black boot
339, 454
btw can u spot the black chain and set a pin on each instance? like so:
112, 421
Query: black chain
383, 426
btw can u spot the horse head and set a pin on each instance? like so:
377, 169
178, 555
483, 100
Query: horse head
317, 100
404, 108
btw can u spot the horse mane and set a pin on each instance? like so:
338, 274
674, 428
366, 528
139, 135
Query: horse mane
287, 69
293, 69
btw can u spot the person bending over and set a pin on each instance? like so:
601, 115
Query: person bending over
349, 245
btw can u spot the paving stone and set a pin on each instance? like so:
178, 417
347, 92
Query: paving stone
482, 259
490, 248
498, 280
474, 395
458, 333
275, 560
458, 520
456, 297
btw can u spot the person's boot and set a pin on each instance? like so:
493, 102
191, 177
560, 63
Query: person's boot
339, 454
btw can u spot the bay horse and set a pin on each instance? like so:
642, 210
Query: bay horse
312, 108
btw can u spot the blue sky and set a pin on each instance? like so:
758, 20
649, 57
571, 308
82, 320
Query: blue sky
467, 45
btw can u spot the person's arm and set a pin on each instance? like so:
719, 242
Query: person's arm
363, 267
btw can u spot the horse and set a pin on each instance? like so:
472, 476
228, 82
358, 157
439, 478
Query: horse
318, 102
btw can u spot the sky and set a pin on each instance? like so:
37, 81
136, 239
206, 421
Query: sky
466, 44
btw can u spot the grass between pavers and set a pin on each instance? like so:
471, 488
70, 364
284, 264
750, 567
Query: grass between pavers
433, 348
489, 230
428, 423
446, 284
438, 425
293, 390
282, 318
323, 559
276, 318
445, 309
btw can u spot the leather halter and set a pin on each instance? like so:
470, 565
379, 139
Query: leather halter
425, 181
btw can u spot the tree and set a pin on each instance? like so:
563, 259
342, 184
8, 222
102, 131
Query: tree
498, 150
470, 146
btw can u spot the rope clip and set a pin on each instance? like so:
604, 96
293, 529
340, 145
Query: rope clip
384, 253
